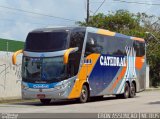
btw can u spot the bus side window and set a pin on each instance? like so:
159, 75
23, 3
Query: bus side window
103, 44
71, 65
94, 44
90, 46
139, 48
76, 40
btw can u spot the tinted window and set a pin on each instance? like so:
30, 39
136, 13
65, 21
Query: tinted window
46, 41
139, 48
77, 39
97, 43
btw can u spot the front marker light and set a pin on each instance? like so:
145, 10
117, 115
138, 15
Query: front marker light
24, 86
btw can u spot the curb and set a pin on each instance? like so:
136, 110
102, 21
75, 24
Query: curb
152, 89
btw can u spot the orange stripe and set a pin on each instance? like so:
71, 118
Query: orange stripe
120, 77
139, 62
106, 32
138, 39
82, 76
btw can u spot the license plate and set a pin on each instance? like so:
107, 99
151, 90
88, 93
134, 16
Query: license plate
40, 96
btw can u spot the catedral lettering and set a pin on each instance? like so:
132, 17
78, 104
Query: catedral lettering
69, 62
112, 61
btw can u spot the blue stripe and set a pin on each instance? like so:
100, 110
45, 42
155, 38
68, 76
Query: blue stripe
42, 86
102, 76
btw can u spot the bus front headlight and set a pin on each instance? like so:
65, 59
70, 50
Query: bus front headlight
64, 85
58, 87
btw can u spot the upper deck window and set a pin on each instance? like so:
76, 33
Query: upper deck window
46, 41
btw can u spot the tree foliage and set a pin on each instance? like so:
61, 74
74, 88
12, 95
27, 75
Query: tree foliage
124, 22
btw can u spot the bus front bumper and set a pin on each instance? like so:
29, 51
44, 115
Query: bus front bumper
44, 94
58, 92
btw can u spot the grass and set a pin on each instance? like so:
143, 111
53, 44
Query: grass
12, 45
5, 101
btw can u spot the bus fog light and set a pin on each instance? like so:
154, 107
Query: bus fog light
61, 93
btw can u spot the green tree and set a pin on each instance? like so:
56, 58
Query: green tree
151, 23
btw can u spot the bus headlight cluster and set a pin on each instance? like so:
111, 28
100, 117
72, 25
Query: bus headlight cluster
58, 87
64, 85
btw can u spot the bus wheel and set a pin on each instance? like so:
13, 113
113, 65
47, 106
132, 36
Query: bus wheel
126, 91
45, 101
84, 94
132, 91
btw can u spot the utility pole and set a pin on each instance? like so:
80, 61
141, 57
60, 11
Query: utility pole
87, 19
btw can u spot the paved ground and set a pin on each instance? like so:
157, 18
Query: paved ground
148, 101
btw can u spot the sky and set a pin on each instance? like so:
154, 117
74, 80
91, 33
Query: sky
18, 17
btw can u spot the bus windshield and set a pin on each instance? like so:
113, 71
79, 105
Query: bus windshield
43, 69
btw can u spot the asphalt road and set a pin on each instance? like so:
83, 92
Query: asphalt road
147, 101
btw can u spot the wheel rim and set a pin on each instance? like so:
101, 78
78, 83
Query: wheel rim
132, 90
84, 94
126, 91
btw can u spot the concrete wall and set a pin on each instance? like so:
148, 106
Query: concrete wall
147, 77
10, 77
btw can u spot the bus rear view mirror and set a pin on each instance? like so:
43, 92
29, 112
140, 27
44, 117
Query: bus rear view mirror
14, 57
66, 54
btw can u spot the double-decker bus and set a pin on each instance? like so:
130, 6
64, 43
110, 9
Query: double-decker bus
81, 62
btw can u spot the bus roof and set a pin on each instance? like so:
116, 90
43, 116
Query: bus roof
89, 29
58, 28
110, 33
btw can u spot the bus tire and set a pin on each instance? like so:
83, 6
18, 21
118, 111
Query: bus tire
126, 91
84, 94
132, 90
45, 101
